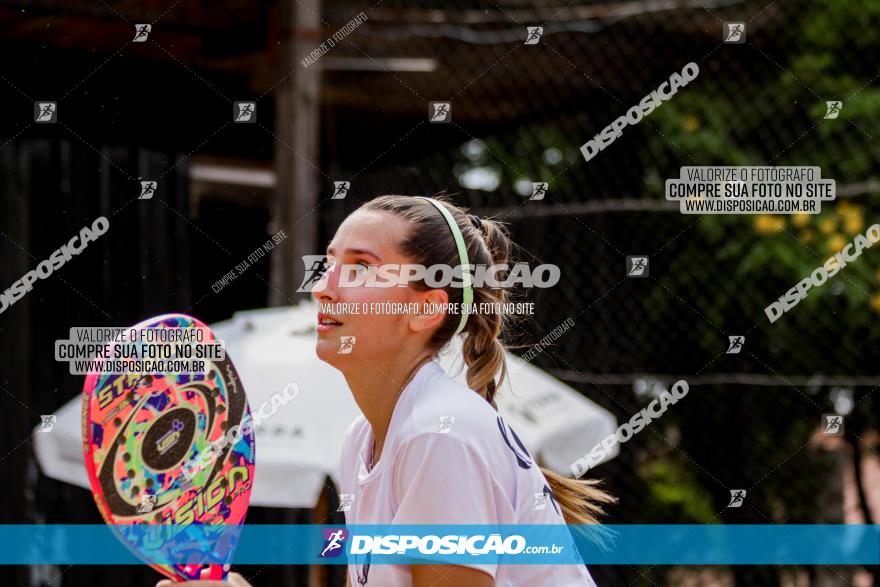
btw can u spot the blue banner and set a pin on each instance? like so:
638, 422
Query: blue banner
443, 544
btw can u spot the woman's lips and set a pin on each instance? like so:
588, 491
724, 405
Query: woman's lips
322, 328
327, 327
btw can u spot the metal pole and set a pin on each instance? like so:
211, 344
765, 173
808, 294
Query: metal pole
297, 110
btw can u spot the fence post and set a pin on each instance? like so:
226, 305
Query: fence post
297, 111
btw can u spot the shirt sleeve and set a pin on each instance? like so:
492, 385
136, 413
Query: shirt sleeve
441, 479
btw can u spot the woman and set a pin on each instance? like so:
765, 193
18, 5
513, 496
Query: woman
428, 450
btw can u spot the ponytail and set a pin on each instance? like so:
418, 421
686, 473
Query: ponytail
487, 242
579, 499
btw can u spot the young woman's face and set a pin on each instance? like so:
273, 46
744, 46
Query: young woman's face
365, 238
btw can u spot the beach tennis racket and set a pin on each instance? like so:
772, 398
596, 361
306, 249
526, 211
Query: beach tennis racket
146, 438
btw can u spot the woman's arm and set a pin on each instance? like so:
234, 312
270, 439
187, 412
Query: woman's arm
433, 575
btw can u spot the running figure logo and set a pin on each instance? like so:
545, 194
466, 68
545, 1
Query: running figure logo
48, 421
346, 345
345, 502
141, 32
734, 32
340, 189
334, 542
541, 501
148, 502
148, 188
45, 112
244, 112
636, 266
833, 424
315, 268
539, 190
736, 498
735, 344
833, 108
446, 423
533, 34
440, 112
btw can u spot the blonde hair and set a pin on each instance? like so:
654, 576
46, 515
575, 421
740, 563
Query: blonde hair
487, 242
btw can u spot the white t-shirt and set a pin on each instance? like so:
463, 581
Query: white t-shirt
438, 470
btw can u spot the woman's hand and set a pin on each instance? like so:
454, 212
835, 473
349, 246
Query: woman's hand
233, 580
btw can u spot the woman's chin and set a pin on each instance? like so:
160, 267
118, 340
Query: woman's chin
327, 350
322, 349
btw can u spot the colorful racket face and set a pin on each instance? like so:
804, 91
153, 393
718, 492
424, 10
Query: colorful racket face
146, 441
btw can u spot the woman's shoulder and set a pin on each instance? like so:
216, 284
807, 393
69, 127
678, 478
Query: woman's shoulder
448, 407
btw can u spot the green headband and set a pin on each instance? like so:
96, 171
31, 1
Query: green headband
468, 294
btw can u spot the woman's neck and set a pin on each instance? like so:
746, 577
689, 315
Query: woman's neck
376, 389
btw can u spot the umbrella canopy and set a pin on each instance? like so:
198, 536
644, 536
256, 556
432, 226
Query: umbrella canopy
300, 444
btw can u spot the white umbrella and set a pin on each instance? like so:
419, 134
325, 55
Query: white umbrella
300, 444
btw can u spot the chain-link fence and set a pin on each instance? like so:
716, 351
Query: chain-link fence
519, 114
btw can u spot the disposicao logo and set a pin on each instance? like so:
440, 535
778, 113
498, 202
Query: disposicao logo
334, 542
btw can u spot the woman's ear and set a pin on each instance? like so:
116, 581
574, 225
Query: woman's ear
433, 306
